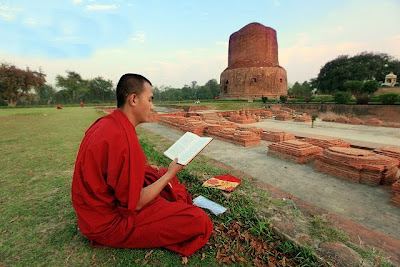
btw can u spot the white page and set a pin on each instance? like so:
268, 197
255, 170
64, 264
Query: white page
187, 147
190, 151
180, 145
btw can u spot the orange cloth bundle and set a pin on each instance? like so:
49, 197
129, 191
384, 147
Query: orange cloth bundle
224, 182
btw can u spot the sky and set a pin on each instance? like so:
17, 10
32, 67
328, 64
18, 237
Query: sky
175, 42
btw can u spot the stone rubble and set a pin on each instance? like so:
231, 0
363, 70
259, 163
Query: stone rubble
343, 119
328, 119
303, 118
374, 122
283, 116
355, 121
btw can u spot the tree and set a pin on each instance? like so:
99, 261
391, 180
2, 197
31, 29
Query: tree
342, 97
45, 93
301, 90
362, 67
100, 90
353, 86
188, 92
370, 87
17, 83
75, 86
214, 87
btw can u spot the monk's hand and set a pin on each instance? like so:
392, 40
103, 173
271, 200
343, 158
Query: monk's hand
174, 167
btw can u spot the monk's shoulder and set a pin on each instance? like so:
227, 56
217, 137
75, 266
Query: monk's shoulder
107, 130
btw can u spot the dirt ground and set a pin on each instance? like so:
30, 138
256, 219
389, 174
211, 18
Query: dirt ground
360, 203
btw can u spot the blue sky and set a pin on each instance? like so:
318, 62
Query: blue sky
175, 42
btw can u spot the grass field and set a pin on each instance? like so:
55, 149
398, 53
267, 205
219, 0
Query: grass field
38, 224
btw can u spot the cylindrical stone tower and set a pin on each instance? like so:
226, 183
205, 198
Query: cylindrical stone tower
253, 67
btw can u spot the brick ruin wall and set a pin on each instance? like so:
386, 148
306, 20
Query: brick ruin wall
386, 113
330, 155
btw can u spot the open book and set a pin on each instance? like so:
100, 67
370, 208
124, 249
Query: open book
187, 147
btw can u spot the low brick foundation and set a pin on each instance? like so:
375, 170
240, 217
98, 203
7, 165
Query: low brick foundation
357, 165
277, 136
326, 141
295, 150
395, 201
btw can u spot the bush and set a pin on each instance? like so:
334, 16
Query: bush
388, 98
353, 86
283, 98
363, 99
342, 97
323, 98
264, 99
369, 87
3, 103
308, 99
374, 99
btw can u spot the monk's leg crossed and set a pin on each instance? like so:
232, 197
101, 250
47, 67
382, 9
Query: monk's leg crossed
176, 226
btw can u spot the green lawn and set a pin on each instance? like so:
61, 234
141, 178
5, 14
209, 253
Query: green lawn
38, 224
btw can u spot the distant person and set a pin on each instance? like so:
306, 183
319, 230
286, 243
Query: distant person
122, 202
81, 104
58, 106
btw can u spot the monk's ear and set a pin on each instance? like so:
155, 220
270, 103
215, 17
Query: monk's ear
132, 100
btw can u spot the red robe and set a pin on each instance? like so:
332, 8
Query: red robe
109, 175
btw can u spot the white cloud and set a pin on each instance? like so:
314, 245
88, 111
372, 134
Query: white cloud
139, 37
7, 16
77, 1
8, 13
100, 7
31, 21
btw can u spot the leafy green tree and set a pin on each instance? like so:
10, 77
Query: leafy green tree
301, 90
342, 97
188, 93
370, 87
156, 93
16, 83
353, 86
45, 93
76, 87
62, 96
364, 66
100, 90
283, 98
213, 85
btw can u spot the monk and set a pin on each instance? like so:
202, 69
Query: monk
121, 202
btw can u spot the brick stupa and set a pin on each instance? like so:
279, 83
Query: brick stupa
253, 69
